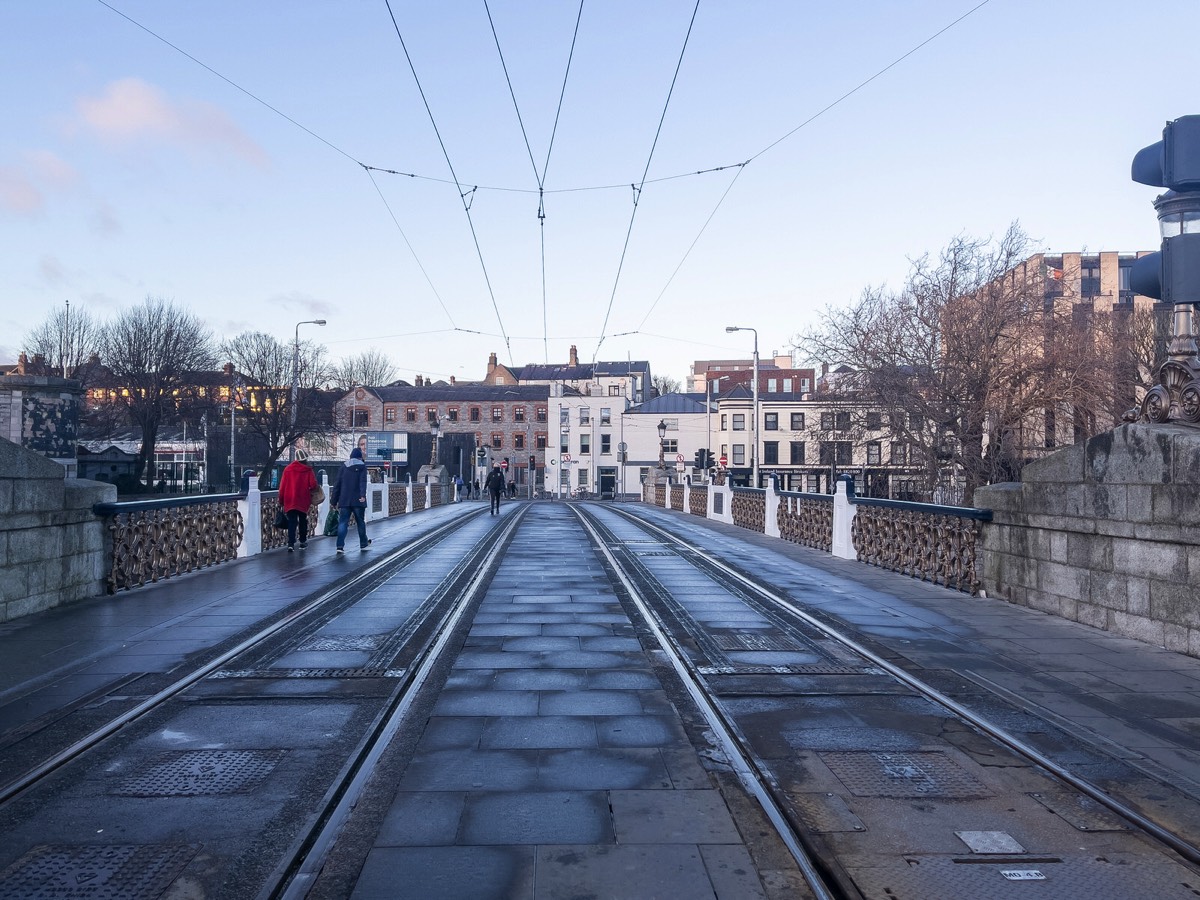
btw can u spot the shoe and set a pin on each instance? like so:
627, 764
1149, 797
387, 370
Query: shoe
366, 545
303, 545
291, 549
340, 551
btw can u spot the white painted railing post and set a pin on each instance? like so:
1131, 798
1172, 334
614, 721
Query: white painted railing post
250, 509
324, 505
843, 520
408, 504
771, 507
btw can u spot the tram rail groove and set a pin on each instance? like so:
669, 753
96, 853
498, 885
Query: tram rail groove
393, 560
1185, 848
743, 765
303, 864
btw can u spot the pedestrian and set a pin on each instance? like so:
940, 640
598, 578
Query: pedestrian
458, 488
297, 485
349, 494
495, 487
476, 495
512, 490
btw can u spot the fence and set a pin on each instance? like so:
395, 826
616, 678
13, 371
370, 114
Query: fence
923, 540
149, 540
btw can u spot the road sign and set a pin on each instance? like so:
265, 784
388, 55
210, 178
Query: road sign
504, 464
678, 457
724, 460
566, 457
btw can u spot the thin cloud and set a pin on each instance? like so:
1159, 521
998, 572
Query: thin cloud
304, 304
18, 194
131, 111
51, 169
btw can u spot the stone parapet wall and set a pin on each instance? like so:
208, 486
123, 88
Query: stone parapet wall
1106, 533
51, 543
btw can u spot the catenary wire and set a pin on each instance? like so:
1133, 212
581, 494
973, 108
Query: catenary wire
638, 189
445, 153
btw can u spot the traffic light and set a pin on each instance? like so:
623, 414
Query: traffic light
699, 463
532, 462
1173, 273
710, 461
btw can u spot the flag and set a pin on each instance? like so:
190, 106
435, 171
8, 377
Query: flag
1053, 273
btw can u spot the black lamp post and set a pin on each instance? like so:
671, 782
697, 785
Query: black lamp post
662, 443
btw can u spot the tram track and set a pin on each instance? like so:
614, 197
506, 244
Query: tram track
695, 647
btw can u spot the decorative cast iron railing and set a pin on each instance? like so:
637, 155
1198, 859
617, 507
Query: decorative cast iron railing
397, 498
677, 497
806, 519
418, 496
660, 495
435, 495
749, 509
933, 543
273, 538
698, 501
156, 539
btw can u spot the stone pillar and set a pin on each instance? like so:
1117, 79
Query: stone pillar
843, 519
250, 508
720, 502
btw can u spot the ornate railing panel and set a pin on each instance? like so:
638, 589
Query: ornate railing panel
806, 519
750, 509
698, 501
156, 539
397, 498
273, 538
418, 496
435, 495
677, 497
933, 543
660, 495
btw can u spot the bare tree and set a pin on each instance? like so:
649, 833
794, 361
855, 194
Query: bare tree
665, 384
371, 367
69, 339
266, 365
968, 359
152, 351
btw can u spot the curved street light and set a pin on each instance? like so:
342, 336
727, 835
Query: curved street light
296, 380
754, 423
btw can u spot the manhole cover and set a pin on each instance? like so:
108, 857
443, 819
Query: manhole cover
1081, 811
654, 552
195, 773
344, 642
121, 872
747, 641
918, 774
310, 673
793, 669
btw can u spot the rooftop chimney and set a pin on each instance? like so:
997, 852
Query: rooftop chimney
420, 381
574, 356
227, 368
452, 382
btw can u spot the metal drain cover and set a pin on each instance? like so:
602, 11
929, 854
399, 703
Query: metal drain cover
793, 669
195, 773
310, 673
749, 641
120, 872
1081, 811
344, 642
917, 774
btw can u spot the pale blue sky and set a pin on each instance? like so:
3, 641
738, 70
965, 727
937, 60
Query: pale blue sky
127, 169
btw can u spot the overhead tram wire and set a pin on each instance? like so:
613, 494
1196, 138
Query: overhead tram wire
540, 176
638, 189
461, 195
304, 128
742, 166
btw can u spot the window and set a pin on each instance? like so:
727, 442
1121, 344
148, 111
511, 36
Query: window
772, 385
1089, 278
739, 421
814, 484
564, 415
585, 415
671, 445
539, 440
585, 444
874, 421
497, 413
499, 379
739, 455
452, 414
606, 443
842, 421
583, 477
797, 421
797, 458
605, 415
838, 453
497, 440
770, 421
540, 414
431, 414
724, 422
899, 454
518, 414
563, 445
643, 474
410, 414
787, 385
916, 421
724, 450
614, 390
475, 413
771, 453
362, 418
389, 415
672, 424
564, 477
518, 441
874, 453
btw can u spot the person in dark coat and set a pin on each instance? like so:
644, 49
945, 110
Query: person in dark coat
495, 487
349, 494
296, 487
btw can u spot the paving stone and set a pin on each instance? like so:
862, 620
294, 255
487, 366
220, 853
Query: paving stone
589, 703
447, 873
422, 819
672, 817
626, 872
602, 769
573, 817
471, 770
540, 732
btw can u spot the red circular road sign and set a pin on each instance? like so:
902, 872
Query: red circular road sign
724, 460
504, 463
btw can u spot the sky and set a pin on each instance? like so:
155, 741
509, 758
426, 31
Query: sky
743, 162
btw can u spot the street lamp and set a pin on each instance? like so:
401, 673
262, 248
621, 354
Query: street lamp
296, 380
434, 430
754, 424
662, 443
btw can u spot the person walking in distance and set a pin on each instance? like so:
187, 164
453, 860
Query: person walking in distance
297, 487
495, 487
350, 497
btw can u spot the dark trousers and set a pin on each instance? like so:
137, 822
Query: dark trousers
495, 501
297, 520
360, 516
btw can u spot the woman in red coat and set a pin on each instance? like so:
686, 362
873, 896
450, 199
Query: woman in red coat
296, 487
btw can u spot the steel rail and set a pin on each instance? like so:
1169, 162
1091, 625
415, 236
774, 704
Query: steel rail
310, 853
745, 769
394, 559
1187, 850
